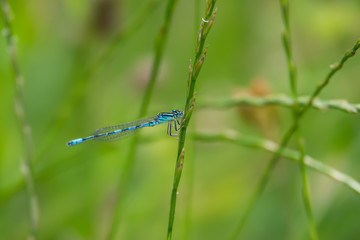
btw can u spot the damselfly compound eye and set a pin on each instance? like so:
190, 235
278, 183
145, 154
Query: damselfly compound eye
177, 113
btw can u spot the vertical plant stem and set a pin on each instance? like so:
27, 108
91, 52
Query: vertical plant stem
300, 143
264, 179
287, 47
306, 197
174, 192
194, 71
129, 162
26, 165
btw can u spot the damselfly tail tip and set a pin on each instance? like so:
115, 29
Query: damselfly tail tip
75, 141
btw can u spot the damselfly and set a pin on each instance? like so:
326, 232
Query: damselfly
115, 132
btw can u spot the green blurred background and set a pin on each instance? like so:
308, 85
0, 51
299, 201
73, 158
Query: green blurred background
70, 91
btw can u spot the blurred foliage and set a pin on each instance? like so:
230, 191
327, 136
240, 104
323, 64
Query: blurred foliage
70, 90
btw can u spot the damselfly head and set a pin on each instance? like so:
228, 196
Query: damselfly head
177, 113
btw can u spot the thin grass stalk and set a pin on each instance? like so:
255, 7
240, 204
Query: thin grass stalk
194, 71
25, 129
334, 68
287, 136
300, 143
129, 162
279, 100
306, 195
287, 47
272, 147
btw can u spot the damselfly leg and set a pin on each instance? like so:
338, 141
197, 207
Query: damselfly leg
171, 125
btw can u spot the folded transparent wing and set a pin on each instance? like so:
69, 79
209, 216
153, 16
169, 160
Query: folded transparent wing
115, 132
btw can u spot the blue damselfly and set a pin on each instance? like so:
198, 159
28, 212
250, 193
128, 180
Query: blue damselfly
115, 132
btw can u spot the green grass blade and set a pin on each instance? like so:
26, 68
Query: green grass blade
200, 54
24, 127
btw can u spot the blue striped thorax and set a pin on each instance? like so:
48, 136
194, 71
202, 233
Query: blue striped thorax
166, 117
